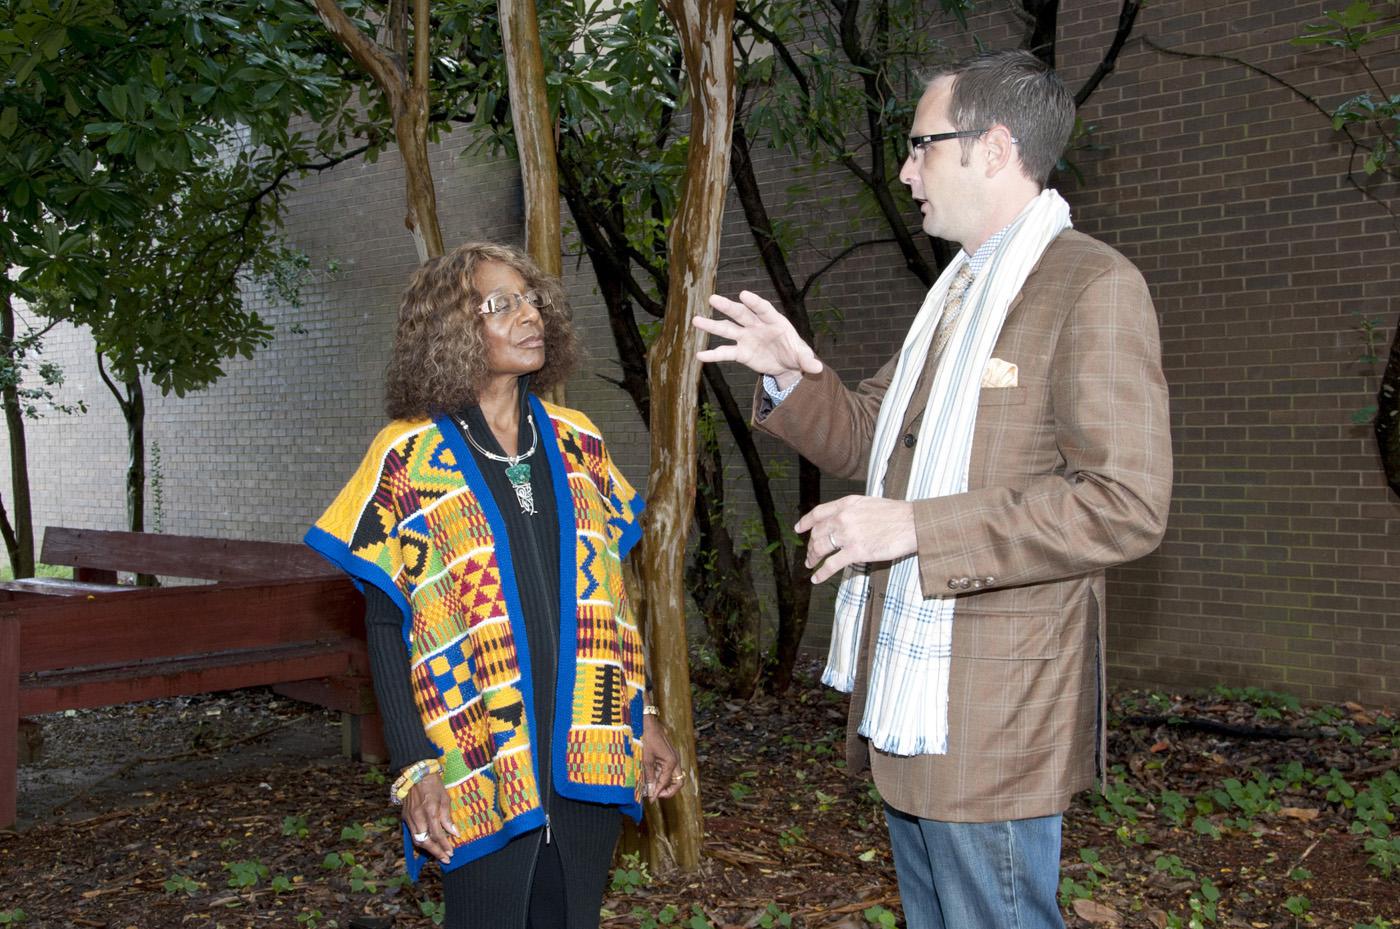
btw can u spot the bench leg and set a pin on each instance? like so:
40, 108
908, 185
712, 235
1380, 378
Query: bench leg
9, 720
362, 737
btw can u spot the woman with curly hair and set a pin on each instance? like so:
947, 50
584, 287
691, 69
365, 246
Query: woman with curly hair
486, 529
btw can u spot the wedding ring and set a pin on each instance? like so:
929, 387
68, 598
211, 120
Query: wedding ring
831, 537
678, 777
420, 837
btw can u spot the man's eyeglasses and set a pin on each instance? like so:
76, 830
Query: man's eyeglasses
917, 143
504, 302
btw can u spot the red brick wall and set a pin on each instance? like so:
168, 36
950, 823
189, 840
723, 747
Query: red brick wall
1281, 564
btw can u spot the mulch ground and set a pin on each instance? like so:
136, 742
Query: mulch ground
1237, 809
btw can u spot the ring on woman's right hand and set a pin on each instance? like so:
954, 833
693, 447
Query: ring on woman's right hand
420, 837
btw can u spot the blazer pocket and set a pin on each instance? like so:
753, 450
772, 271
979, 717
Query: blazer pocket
1002, 396
982, 633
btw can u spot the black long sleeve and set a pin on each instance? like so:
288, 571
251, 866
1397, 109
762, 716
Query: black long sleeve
388, 662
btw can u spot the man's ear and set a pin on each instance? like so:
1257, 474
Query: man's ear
999, 148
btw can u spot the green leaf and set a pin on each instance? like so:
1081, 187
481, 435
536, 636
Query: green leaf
9, 119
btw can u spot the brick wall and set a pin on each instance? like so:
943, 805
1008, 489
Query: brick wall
1281, 565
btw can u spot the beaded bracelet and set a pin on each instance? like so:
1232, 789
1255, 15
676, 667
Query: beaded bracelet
412, 775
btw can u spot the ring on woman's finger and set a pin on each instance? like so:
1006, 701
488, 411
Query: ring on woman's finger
420, 837
678, 777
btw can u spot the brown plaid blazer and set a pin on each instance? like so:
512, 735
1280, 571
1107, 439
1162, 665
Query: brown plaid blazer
1071, 472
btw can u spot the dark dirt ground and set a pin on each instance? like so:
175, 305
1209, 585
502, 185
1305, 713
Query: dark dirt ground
235, 810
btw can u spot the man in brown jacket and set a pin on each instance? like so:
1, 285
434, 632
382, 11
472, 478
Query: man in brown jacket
1016, 447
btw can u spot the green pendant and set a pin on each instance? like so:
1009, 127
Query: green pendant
519, 476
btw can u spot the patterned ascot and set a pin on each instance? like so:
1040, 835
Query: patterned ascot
418, 521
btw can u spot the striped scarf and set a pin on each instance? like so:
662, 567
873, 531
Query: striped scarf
906, 712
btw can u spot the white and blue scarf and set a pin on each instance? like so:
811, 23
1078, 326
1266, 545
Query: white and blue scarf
906, 712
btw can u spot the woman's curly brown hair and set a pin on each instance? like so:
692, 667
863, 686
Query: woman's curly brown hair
438, 363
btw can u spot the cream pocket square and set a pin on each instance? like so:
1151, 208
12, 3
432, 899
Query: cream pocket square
999, 374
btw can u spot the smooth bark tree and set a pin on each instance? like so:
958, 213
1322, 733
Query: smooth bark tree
405, 89
705, 29
533, 117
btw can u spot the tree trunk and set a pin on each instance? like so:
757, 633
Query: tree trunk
408, 105
19, 540
1039, 39
534, 139
134, 412
705, 28
1388, 415
131, 398
534, 131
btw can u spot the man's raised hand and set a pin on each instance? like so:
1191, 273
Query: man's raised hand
761, 339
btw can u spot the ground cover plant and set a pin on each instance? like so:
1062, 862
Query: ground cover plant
1234, 808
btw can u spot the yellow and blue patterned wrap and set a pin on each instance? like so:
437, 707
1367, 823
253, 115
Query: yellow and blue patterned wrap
417, 521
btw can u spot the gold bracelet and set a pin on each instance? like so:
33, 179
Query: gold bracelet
412, 775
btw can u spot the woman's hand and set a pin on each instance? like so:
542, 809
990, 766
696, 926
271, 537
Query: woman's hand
427, 812
661, 766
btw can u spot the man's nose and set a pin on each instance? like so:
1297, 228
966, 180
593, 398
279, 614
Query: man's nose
907, 171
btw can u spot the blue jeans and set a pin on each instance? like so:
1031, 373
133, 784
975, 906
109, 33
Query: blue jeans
999, 875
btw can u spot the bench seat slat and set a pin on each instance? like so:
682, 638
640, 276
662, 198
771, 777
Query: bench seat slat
60, 587
77, 688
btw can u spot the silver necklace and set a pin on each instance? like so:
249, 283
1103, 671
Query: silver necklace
517, 471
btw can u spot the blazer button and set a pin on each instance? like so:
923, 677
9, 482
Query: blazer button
952, 583
989, 581
976, 583
965, 583
909, 440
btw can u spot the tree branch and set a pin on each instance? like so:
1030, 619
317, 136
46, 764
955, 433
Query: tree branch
1127, 16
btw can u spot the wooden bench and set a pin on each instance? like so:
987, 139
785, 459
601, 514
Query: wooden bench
277, 614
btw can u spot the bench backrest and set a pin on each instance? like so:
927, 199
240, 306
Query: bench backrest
96, 554
147, 626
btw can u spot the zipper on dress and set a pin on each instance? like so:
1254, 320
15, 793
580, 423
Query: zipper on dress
548, 834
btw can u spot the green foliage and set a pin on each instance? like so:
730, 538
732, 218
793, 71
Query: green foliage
315, 919
282, 884
1118, 800
1171, 864
1352, 30
667, 916
1173, 807
12, 917
632, 876
247, 873
1268, 704
181, 884
435, 910
773, 916
1096, 871
295, 826
879, 918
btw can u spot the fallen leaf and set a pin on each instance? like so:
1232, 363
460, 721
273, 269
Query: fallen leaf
1097, 913
1303, 813
1160, 746
1158, 918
